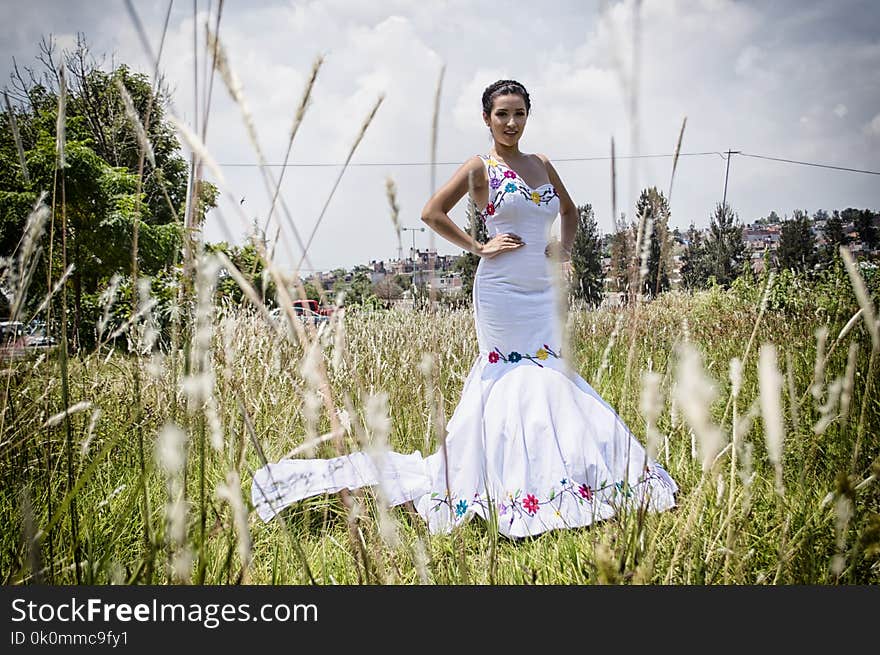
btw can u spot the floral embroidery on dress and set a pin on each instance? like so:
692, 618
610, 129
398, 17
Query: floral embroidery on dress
517, 504
542, 354
498, 173
585, 491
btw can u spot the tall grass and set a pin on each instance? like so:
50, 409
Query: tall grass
733, 525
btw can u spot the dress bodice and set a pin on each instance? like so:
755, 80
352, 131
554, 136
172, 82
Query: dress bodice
514, 206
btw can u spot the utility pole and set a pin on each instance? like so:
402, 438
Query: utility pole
413, 230
729, 153
412, 252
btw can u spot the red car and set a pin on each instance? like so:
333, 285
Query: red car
314, 307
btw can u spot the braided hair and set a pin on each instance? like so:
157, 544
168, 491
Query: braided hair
501, 88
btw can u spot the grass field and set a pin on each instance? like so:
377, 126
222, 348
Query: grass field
147, 477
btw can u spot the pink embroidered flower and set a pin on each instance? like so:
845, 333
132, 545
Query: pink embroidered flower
585, 491
530, 504
493, 357
490, 209
509, 174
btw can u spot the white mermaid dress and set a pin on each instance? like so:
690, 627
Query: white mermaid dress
530, 439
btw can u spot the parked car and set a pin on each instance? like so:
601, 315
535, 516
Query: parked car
17, 340
305, 315
13, 333
308, 303
36, 336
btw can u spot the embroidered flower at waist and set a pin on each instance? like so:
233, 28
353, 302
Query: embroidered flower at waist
513, 357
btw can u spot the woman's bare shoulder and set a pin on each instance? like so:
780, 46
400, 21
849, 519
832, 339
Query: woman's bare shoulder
475, 167
551, 171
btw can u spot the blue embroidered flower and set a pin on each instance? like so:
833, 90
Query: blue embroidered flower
563, 481
514, 357
510, 188
460, 508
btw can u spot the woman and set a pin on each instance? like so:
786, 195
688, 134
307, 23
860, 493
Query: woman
530, 441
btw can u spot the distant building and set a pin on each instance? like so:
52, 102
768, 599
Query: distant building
760, 237
377, 271
447, 282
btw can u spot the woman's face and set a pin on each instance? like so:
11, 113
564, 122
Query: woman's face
507, 119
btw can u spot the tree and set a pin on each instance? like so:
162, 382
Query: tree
835, 236
586, 258
247, 260
725, 249
653, 212
863, 222
360, 290
311, 290
797, 246
834, 232
467, 263
99, 192
696, 266
623, 262
387, 289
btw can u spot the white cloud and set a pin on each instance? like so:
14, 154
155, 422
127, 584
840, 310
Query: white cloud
749, 61
840, 110
873, 127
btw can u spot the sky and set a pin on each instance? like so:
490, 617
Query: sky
791, 79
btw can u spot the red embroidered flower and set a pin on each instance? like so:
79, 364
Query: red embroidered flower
530, 504
493, 357
490, 209
585, 491
509, 174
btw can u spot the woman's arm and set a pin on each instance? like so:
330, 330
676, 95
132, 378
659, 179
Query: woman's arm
436, 212
567, 209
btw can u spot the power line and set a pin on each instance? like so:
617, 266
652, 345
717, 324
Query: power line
722, 155
809, 163
458, 163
